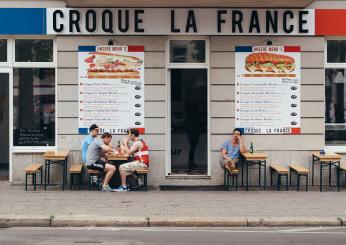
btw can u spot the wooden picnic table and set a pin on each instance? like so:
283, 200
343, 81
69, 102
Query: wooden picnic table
116, 160
326, 160
256, 158
58, 157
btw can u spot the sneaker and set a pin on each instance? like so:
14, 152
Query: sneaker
121, 188
94, 181
107, 189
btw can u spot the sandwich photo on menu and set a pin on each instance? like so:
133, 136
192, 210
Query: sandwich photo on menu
109, 65
269, 62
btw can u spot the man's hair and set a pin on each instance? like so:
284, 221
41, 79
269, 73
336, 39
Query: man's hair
134, 131
106, 135
237, 129
92, 127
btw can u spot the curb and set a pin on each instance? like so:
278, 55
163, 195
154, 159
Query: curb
112, 221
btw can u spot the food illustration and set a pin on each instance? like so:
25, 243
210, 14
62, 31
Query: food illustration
109, 65
269, 62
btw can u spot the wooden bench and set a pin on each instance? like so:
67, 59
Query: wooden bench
144, 173
300, 171
32, 170
280, 171
231, 173
96, 173
76, 169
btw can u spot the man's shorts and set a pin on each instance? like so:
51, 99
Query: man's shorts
223, 162
98, 165
131, 167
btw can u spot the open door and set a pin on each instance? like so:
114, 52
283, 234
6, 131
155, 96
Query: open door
4, 125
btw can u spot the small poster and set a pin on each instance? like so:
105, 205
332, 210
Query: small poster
267, 89
111, 88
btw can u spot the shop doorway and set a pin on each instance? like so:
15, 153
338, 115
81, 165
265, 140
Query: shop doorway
4, 125
189, 121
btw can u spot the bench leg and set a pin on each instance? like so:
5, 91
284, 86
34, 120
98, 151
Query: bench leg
71, 181
26, 181
224, 177
286, 182
41, 170
278, 182
236, 182
81, 180
298, 181
146, 182
35, 181
89, 182
306, 182
290, 177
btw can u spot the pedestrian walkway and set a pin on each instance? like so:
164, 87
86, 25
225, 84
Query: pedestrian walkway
172, 204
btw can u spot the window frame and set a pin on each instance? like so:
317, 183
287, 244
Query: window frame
333, 148
12, 64
169, 67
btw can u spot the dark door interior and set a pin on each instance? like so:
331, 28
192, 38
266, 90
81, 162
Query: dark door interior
4, 126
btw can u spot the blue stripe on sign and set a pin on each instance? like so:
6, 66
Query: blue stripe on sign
86, 48
23, 21
243, 49
83, 130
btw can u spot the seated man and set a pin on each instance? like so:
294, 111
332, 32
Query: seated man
93, 133
96, 159
141, 158
231, 150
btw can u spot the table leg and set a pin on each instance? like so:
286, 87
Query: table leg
338, 175
259, 173
321, 166
242, 172
247, 175
312, 170
48, 171
45, 175
63, 177
265, 174
330, 173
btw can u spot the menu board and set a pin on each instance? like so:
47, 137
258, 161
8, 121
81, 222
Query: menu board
267, 89
111, 88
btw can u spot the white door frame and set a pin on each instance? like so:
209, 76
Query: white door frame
169, 67
9, 71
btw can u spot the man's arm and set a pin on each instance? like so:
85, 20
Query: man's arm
224, 154
106, 148
135, 147
242, 147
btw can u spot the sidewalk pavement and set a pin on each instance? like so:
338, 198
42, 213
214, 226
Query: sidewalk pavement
170, 208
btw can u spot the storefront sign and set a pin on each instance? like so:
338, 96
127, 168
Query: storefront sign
267, 89
192, 21
111, 88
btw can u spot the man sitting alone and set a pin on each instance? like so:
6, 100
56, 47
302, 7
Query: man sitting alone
141, 158
96, 159
231, 150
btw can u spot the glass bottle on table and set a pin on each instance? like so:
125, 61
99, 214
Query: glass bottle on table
251, 147
117, 148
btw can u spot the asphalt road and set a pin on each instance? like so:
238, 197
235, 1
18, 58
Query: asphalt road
176, 236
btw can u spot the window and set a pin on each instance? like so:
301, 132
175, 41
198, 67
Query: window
187, 51
32, 50
33, 93
335, 93
34, 107
3, 50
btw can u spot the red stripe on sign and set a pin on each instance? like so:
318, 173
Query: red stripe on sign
141, 130
330, 22
292, 48
295, 130
135, 48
